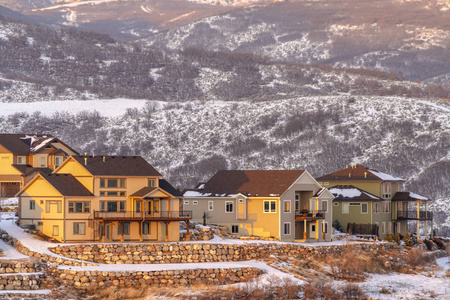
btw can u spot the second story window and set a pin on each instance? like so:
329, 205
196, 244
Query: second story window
113, 183
58, 160
43, 162
21, 160
229, 206
270, 206
151, 182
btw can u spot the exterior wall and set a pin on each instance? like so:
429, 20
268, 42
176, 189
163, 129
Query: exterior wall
6, 162
373, 187
79, 172
354, 216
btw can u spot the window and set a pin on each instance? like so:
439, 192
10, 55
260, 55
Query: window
234, 228
145, 228
336, 204
194, 202
345, 208
113, 183
122, 206
112, 206
55, 230
287, 206
21, 160
42, 161
383, 227
229, 206
102, 206
354, 204
364, 209
151, 182
287, 228
79, 228
50, 204
186, 202
326, 227
79, 207
386, 190
58, 160
112, 194
32, 205
270, 206
390, 227
210, 205
325, 206
326, 183
138, 206
297, 197
126, 228
386, 207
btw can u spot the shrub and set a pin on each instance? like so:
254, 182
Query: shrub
439, 243
352, 291
336, 225
429, 244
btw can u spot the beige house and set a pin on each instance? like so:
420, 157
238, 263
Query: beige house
286, 204
390, 212
102, 198
22, 156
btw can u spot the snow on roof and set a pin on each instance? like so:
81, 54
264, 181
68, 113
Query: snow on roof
416, 196
349, 192
384, 176
196, 194
41, 145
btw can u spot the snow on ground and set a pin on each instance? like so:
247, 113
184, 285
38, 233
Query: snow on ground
107, 108
10, 201
74, 4
10, 252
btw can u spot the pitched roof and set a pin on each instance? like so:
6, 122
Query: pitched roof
28, 143
66, 184
351, 193
28, 169
254, 183
358, 172
117, 165
144, 191
408, 196
165, 185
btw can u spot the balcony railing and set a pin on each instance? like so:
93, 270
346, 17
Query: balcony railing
412, 215
309, 214
133, 215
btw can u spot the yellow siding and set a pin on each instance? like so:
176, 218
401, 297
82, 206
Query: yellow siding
79, 172
41, 188
263, 224
6, 161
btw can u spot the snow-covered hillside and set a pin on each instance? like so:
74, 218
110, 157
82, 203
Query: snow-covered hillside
188, 142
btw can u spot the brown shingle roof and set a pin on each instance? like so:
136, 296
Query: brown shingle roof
408, 196
117, 166
144, 191
67, 184
358, 172
255, 183
16, 144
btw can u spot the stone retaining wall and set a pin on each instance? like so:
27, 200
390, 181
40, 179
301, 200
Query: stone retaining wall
42, 256
97, 279
21, 281
20, 267
186, 253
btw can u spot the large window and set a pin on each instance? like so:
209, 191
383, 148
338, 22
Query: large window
79, 228
345, 208
287, 228
53, 206
270, 206
229, 206
113, 183
79, 206
112, 206
287, 206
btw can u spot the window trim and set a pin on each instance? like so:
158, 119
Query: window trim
57, 230
367, 208
326, 202
270, 211
234, 226
226, 207
77, 232
32, 205
195, 202
288, 227
210, 205
24, 160
288, 202
345, 208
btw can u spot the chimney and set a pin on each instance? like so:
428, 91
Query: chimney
103, 159
349, 175
365, 174
346, 166
85, 161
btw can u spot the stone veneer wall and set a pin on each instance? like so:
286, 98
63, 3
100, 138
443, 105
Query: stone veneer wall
98, 279
207, 252
8, 266
21, 281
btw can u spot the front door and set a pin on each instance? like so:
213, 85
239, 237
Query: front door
312, 230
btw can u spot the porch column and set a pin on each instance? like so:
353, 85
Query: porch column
426, 229
317, 229
317, 205
167, 231
168, 207
418, 222
304, 229
103, 231
323, 229
188, 236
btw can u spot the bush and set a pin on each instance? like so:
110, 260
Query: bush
352, 291
429, 244
336, 225
439, 243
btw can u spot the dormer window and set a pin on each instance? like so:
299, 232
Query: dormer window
21, 160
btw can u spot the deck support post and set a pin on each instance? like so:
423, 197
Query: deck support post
167, 231
418, 222
188, 236
304, 229
317, 229
426, 217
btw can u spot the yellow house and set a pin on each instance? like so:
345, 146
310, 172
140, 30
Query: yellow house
102, 198
286, 204
22, 156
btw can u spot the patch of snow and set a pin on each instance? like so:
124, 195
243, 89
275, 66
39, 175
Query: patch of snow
384, 176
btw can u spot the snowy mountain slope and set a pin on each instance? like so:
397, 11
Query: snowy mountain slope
188, 142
